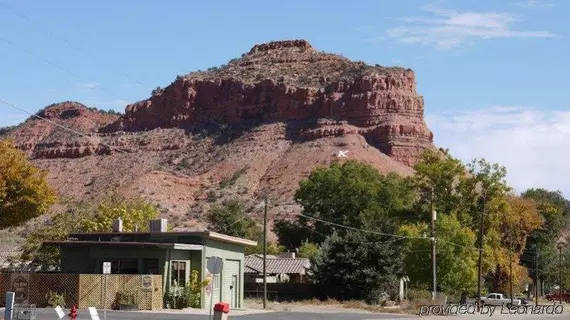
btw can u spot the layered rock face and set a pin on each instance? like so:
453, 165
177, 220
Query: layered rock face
290, 81
42, 136
256, 126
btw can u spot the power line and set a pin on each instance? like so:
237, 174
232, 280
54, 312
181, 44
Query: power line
23, 16
39, 57
300, 214
195, 113
383, 234
77, 47
61, 126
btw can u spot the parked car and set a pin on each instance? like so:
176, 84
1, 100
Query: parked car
498, 299
524, 301
556, 297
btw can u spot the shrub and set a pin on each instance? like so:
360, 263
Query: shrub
5, 130
126, 298
55, 299
211, 196
189, 296
414, 294
230, 181
157, 91
194, 289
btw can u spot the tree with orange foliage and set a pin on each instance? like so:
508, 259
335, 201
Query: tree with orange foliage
518, 221
24, 191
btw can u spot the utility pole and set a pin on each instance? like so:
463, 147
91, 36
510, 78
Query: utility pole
433, 251
265, 254
480, 262
536, 277
511, 274
560, 273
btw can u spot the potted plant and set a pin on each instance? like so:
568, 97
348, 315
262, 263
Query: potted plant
127, 301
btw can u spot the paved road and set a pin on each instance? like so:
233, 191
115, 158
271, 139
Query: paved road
321, 316
49, 314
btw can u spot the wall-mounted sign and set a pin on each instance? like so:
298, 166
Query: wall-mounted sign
21, 288
106, 267
146, 282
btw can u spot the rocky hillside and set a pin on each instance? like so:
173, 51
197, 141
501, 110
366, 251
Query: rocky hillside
255, 126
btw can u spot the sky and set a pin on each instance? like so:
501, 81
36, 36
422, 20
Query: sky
492, 73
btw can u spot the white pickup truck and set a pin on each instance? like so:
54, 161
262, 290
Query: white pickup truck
498, 299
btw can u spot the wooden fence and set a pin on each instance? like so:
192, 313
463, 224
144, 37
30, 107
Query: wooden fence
83, 290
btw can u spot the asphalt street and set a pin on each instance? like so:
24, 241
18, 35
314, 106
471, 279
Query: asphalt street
49, 314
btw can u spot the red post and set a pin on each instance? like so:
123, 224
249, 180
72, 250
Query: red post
73, 312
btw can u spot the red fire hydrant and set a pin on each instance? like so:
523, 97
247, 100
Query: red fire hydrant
221, 311
73, 312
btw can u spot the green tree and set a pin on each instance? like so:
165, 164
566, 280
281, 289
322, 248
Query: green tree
308, 250
438, 179
80, 219
24, 191
485, 194
272, 248
456, 255
231, 218
541, 245
291, 234
358, 266
134, 213
58, 228
352, 194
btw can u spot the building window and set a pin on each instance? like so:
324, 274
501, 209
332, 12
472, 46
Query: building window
124, 266
178, 273
150, 266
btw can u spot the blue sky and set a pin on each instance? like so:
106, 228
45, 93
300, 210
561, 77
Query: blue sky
492, 73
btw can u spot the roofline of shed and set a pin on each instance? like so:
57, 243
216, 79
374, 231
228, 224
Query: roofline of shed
205, 234
175, 246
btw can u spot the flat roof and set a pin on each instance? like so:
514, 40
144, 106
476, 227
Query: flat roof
204, 234
176, 246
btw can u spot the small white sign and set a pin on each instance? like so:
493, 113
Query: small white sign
60, 312
93, 313
106, 267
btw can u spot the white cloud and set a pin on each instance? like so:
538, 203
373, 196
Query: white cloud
447, 29
532, 143
534, 4
88, 85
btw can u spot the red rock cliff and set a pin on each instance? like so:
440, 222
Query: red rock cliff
290, 81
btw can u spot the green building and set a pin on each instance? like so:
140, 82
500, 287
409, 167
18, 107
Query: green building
174, 255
